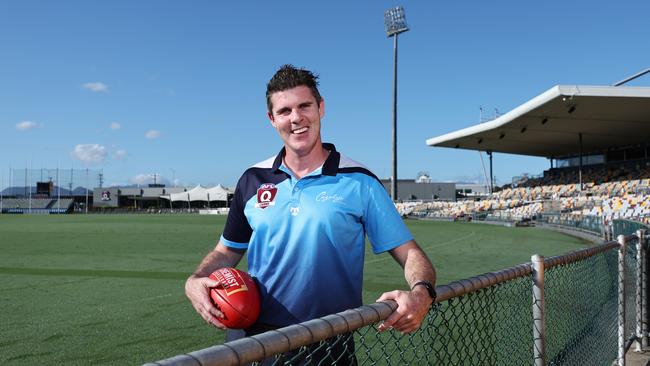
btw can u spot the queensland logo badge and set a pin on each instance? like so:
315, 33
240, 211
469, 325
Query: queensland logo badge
266, 195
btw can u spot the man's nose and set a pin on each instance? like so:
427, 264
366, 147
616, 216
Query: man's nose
295, 115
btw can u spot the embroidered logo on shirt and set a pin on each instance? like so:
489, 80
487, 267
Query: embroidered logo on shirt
266, 195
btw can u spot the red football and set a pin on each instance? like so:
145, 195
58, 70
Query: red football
237, 297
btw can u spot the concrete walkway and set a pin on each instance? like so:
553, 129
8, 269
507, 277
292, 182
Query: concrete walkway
633, 358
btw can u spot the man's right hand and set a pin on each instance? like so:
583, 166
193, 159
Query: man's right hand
197, 289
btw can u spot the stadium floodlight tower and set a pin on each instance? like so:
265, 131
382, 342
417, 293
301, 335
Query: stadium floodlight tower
395, 22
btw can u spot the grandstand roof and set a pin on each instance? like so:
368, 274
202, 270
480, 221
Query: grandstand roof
548, 125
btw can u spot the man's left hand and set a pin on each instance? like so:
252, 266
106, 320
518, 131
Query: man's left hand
412, 308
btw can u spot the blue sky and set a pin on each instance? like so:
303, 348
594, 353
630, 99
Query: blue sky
177, 87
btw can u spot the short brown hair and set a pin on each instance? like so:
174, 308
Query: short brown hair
289, 77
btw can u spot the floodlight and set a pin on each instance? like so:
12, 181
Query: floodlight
395, 21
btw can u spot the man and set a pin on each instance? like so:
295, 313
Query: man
302, 216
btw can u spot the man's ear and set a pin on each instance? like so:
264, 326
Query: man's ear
270, 116
321, 107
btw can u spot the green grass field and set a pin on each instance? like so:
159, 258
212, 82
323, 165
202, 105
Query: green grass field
94, 289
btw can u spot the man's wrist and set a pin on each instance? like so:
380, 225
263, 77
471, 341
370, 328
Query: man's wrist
427, 288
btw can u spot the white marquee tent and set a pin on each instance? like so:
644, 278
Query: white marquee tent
198, 193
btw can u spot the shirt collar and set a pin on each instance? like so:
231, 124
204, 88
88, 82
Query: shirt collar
330, 166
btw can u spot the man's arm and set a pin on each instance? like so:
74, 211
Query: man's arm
197, 286
412, 306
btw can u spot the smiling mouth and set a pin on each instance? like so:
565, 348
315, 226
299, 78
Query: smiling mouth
300, 130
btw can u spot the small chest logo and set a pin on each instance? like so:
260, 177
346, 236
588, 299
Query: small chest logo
266, 195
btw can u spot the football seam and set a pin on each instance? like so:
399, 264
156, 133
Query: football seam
231, 305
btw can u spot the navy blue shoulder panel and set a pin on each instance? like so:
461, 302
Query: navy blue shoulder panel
237, 228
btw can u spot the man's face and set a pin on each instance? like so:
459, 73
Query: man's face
296, 116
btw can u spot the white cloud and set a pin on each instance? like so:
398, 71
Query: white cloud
96, 87
27, 125
120, 154
115, 126
143, 179
89, 153
152, 134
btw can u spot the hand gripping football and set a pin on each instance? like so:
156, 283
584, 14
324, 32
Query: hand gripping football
236, 296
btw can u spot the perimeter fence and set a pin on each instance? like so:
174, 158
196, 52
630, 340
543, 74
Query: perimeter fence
582, 308
585, 223
627, 227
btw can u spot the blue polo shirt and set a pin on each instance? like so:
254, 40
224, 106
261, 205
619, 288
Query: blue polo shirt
306, 237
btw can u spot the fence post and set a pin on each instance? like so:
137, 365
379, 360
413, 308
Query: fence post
642, 301
539, 324
621, 299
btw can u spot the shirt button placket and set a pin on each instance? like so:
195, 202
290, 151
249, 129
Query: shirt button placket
295, 199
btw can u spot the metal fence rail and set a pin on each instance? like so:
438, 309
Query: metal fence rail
583, 307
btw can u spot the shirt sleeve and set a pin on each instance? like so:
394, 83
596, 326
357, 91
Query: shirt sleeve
237, 232
384, 226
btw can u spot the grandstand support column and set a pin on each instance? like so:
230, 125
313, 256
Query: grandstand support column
539, 325
621, 299
491, 174
641, 288
580, 167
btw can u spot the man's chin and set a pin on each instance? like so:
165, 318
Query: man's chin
301, 147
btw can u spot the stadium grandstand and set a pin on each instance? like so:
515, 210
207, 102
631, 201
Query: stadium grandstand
596, 139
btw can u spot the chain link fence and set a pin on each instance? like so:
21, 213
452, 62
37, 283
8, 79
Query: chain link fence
581, 308
488, 327
483, 320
